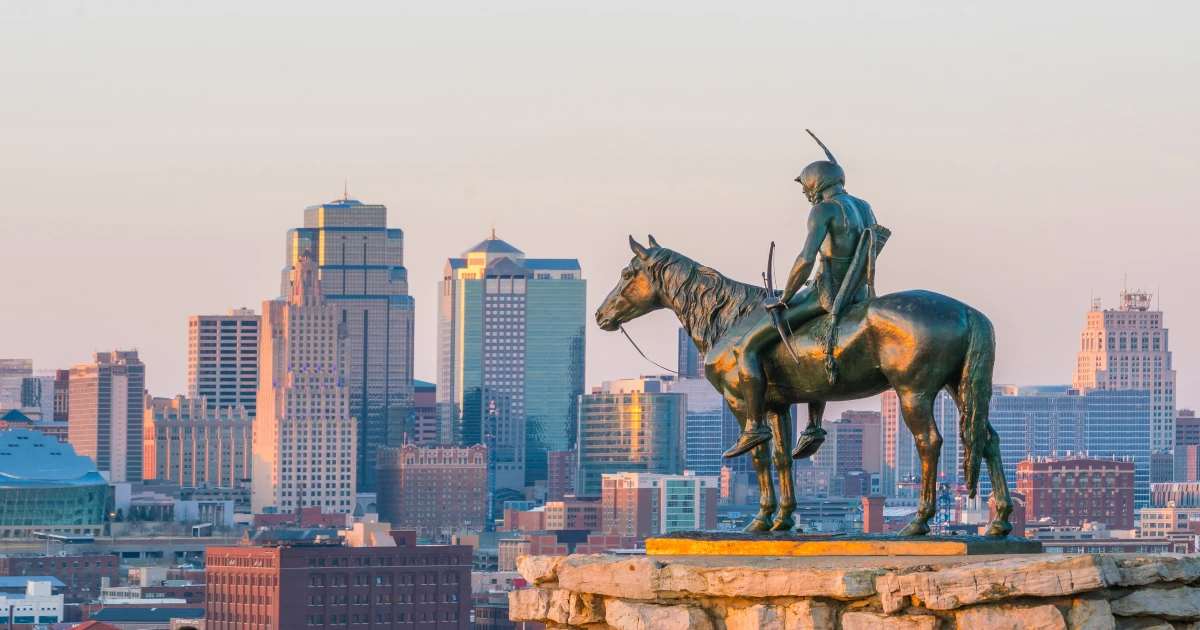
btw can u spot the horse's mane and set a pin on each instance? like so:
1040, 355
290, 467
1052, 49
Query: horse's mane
708, 304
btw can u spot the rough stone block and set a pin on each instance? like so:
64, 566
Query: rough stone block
757, 617
810, 615
1005, 617
1143, 623
585, 608
1035, 576
631, 578
1090, 613
888, 587
623, 615
1153, 569
1181, 603
538, 570
873, 621
529, 604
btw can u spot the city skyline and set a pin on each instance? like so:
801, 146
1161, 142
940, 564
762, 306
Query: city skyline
1024, 132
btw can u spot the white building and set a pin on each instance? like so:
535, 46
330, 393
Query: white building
37, 606
223, 359
305, 441
1127, 348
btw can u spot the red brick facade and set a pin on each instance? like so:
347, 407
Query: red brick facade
1071, 491
81, 574
286, 588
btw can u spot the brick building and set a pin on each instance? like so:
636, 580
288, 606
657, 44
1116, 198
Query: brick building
80, 573
437, 491
335, 586
573, 514
1072, 491
560, 474
644, 505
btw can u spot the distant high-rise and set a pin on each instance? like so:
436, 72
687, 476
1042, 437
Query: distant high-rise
106, 413
62, 395
1187, 434
561, 467
192, 444
708, 424
1041, 422
305, 444
12, 374
645, 505
691, 362
361, 265
634, 426
1127, 348
1075, 491
439, 491
510, 359
223, 359
853, 443
422, 431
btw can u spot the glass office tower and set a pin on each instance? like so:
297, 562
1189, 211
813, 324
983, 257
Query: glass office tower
510, 359
361, 266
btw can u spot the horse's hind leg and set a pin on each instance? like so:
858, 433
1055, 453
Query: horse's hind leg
780, 420
1000, 525
766, 487
917, 409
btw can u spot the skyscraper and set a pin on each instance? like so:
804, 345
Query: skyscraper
12, 373
192, 444
691, 362
361, 266
708, 418
305, 443
510, 359
1047, 422
1127, 348
223, 359
105, 420
633, 425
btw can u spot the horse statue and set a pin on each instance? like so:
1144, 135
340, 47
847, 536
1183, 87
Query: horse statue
916, 342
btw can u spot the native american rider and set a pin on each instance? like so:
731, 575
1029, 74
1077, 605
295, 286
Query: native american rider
844, 236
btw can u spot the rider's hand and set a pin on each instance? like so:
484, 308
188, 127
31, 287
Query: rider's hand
772, 302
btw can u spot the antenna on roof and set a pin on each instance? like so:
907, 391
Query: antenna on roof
345, 191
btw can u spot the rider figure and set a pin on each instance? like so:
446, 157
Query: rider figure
836, 225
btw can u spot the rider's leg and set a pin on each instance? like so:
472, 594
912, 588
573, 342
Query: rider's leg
813, 436
753, 386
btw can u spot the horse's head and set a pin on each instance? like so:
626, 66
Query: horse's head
635, 294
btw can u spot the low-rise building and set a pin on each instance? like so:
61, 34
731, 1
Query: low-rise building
81, 575
1071, 492
193, 443
573, 513
46, 486
37, 605
438, 491
642, 505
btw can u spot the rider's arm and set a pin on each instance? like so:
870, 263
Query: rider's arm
803, 267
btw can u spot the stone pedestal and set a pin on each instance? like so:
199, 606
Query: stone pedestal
1059, 592
795, 544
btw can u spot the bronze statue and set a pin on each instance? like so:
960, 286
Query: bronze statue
839, 343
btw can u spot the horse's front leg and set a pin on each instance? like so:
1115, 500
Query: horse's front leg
781, 427
917, 410
766, 488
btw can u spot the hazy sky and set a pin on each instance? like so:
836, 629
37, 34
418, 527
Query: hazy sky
1025, 155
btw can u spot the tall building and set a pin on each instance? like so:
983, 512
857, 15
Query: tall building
305, 444
1127, 348
1075, 491
106, 413
422, 431
12, 374
510, 359
439, 492
635, 426
223, 359
62, 395
561, 467
37, 395
852, 443
315, 585
710, 427
691, 362
361, 266
192, 444
1187, 435
645, 505
1039, 422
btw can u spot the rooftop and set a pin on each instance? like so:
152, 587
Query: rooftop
147, 614
30, 459
492, 245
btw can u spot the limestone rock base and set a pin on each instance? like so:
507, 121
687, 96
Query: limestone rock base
1040, 592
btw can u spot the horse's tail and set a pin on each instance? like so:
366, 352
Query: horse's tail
975, 392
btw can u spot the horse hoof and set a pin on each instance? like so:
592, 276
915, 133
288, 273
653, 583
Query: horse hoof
999, 528
758, 525
914, 529
784, 525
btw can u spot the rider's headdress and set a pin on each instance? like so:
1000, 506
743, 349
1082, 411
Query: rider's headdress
822, 174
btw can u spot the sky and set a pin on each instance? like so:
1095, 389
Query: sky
1026, 156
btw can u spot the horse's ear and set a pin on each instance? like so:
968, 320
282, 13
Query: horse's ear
653, 243
638, 249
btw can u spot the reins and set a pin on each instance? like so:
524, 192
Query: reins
639, 350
